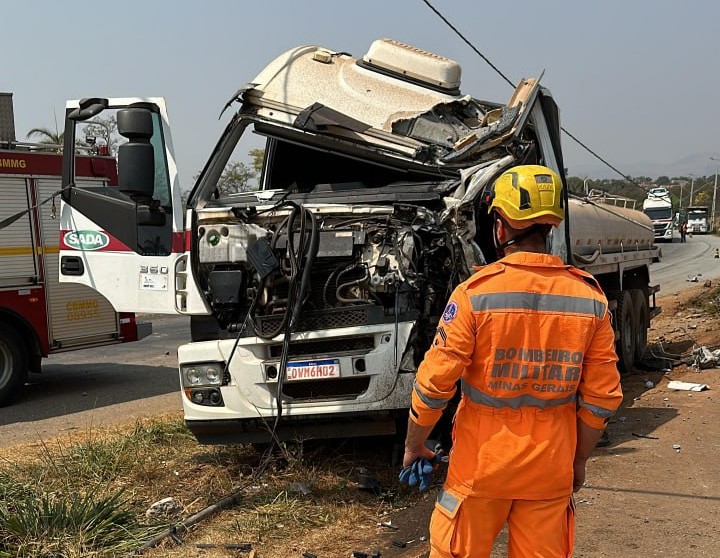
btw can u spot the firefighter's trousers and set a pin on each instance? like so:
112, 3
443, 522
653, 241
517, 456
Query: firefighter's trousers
536, 528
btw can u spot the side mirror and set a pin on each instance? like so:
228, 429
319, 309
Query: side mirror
88, 108
136, 157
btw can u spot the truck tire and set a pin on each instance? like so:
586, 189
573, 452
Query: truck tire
625, 325
13, 365
640, 306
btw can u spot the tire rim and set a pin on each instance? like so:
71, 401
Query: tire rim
6, 365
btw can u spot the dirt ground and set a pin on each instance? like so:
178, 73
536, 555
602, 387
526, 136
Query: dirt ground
655, 490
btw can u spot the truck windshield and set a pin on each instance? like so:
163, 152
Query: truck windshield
659, 213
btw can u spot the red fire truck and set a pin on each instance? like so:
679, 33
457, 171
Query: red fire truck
38, 314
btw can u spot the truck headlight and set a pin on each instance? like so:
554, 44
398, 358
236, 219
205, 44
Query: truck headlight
202, 374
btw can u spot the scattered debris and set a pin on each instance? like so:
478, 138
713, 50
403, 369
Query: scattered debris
299, 488
644, 436
165, 508
705, 358
389, 524
649, 384
687, 386
368, 482
359, 554
399, 544
242, 547
677, 448
308, 555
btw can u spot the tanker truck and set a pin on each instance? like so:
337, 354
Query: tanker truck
314, 293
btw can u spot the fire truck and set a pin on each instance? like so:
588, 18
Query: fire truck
38, 314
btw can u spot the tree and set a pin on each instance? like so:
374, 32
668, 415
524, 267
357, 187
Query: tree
258, 156
236, 178
102, 131
48, 137
701, 198
662, 181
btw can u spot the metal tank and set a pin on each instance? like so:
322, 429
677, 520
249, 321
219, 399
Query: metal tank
596, 226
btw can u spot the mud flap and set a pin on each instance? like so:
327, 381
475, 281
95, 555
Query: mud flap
443, 523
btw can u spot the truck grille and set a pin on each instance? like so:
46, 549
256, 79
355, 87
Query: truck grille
322, 389
325, 347
331, 318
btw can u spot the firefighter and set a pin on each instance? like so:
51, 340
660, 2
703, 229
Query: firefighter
531, 342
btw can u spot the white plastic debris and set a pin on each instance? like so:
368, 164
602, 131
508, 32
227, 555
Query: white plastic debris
687, 386
167, 507
649, 384
705, 358
677, 448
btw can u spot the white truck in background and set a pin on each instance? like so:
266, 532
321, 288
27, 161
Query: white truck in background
314, 298
698, 219
39, 315
659, 207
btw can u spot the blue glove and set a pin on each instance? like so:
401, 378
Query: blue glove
419, 471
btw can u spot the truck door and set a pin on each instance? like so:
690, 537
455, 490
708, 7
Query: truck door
126, 240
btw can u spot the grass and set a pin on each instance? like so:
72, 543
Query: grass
706, 301
88, 496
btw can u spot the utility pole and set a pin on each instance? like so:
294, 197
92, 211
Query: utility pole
692, 188
714, 191
692, 184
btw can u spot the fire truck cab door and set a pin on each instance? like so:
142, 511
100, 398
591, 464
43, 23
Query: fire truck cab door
126, 239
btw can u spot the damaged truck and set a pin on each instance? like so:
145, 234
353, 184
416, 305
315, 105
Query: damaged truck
314, 296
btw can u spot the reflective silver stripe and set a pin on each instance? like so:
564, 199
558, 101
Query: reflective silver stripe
432, 402
447, 501
594, 409
525, 400
538, 302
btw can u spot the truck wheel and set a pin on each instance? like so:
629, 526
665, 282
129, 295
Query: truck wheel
625, 324
640, 307
13, 365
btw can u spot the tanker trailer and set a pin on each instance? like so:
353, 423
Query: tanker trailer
616, 245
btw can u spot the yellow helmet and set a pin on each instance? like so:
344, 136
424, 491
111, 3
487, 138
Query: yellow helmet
528, 195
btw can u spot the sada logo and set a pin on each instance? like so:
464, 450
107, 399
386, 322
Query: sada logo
86, 240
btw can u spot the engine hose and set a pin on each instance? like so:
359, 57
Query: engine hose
311, 252
349, 284
288, 222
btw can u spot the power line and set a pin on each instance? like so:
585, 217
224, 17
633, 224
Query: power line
502, 75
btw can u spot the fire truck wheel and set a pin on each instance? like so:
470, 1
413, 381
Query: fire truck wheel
640, 305
13, 365
625, 324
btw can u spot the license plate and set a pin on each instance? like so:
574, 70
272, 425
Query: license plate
313, 370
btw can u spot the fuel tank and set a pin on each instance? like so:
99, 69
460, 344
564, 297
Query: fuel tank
600, 227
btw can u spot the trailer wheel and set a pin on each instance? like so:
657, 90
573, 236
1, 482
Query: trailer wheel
625, 318
13, 365
640, 306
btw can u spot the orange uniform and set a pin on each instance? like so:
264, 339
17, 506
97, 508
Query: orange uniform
531, 342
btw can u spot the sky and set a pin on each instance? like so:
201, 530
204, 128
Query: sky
637, 81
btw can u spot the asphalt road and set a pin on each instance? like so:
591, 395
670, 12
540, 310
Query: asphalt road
681, 264
96, 387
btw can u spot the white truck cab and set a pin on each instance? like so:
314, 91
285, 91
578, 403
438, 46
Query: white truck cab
314, 297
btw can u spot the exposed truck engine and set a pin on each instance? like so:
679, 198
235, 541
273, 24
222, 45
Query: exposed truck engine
314, 297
